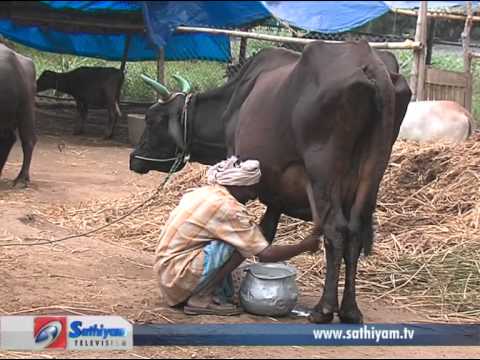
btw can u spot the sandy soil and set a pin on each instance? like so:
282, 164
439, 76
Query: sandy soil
90, 276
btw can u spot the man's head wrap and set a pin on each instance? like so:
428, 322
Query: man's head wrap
232, 172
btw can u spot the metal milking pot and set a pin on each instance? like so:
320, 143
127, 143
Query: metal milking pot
269, 289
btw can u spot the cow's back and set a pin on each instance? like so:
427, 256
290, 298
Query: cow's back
284, 99
265, 68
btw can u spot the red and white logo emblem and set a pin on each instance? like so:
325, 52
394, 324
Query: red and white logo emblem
50, 332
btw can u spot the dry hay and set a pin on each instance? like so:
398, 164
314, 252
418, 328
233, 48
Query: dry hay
427, 252
428, 247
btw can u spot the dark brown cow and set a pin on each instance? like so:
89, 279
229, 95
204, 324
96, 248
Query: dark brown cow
321, 123
91, 87
17, 106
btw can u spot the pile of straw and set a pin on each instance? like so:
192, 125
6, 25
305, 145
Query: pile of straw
428, 248
427, 252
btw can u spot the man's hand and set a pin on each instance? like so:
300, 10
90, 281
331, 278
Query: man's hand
311, 243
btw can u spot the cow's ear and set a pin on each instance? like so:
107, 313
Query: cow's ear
175, 131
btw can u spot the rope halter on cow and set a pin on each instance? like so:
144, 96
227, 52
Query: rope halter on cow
182, 155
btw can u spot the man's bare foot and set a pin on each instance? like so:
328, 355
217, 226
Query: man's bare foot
210, 305
201, 301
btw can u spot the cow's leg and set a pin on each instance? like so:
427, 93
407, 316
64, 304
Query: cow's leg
29, 139
269, 223
112, 121
83, 113
349, 311
360, 237
324, 190
7, 139
334, 247
329, 220
360, 231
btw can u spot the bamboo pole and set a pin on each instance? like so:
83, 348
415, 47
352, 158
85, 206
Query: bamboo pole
406, 45
422, 73
124, 63
467, 60
417, 82
243, 50
242, 55
125, 53
436, 15
430, 40
160, 68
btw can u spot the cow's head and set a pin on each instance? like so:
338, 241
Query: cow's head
47, 80
163, 139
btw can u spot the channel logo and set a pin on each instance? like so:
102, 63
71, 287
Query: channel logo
94, 333
50, 332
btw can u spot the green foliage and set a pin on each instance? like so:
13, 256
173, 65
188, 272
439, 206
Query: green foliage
133, 87
203, 75
447, 62
405, 59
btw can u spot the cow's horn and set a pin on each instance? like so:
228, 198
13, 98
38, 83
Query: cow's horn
186, 87
161, 89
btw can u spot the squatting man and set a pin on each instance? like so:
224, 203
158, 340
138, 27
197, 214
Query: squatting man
209, 235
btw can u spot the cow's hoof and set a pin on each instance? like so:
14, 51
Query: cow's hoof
21, 183
351, 316
317, 317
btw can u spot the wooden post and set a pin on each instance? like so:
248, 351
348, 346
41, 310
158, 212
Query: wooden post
467, 59
417, 82
161, 68
123, 64
430, 39
125, 53
243, 50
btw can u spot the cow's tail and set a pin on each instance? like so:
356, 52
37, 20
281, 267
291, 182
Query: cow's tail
366, 233
117, 108
376, 153
470, 126
118, 93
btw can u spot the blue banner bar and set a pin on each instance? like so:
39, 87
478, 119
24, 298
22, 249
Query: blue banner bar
307, 335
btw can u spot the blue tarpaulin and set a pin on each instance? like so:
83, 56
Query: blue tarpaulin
163, 17
111, 47
105, 46
96, 6
327, 16
340, 16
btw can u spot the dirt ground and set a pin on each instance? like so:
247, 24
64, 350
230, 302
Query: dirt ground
92, 276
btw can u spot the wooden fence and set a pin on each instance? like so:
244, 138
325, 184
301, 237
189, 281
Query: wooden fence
447, 85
